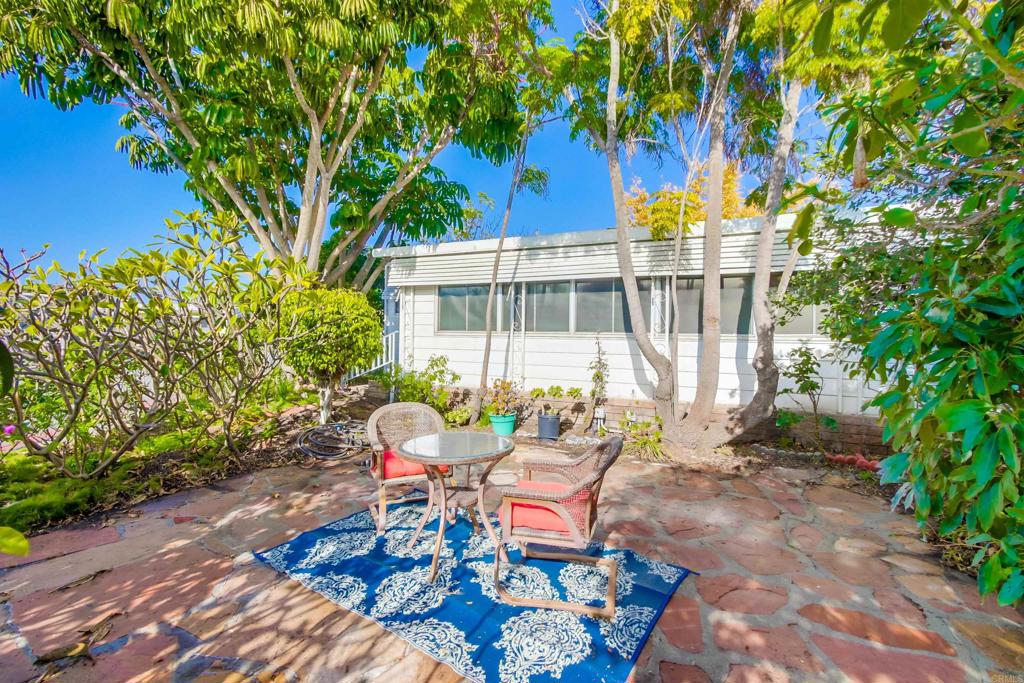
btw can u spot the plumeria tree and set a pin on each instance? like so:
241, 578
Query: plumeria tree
317, 123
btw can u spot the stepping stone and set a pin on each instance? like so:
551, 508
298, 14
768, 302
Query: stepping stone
682, 673
681, 624
760, 557
746, 488
826, 588
60, 543
928, 587
858, 546
844, 499
687, 528
734, 593
869, 663
876, 630
761, 673
1003, 644
899, 607
781, 644
913, 564
856, 569
806, 537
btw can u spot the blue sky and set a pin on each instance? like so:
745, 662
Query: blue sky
62, 182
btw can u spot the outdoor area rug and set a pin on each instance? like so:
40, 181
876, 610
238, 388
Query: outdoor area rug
458, 618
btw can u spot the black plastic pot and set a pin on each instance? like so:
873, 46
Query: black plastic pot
547, 427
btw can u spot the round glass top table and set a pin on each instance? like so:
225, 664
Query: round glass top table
451, 450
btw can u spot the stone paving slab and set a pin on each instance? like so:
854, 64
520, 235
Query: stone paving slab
801, 580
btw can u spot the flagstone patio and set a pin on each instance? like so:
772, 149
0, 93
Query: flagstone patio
801, 580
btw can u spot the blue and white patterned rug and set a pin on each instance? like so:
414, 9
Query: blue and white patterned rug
458, 618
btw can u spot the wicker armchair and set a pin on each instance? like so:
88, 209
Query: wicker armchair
386, 429
559, 514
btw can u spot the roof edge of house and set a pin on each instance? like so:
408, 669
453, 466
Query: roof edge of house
561, 239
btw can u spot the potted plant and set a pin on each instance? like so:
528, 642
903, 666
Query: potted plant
548, 418
504, 404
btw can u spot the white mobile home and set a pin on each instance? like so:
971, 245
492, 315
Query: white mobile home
562, 293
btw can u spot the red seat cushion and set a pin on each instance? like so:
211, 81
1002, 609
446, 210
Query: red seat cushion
396, 466
536, 516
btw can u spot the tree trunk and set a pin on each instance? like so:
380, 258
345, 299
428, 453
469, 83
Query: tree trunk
476, 400
664, 405
326, 392
762, 405
699, 415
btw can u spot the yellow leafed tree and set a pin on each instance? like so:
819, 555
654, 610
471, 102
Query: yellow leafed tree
659, 210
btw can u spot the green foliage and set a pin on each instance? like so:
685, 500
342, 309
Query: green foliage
431, 386
292, 106
458, 416
12, 542
334, 331
598, 376
106, 353
504, 397
929, 302
787, 419
6, 370
804, 371
643, 439
556, 392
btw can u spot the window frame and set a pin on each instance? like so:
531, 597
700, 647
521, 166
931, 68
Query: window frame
526, 308
499, 295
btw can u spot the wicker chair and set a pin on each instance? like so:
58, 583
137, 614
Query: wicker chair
559, 514
386, 429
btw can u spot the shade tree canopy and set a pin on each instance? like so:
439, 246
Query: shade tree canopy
304, 118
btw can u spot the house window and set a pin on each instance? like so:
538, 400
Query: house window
601, 305
464, 309
690, 295
802, 323
736, 304
547, 306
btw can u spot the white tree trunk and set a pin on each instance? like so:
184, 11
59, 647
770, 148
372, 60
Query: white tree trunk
699, 415
762, 404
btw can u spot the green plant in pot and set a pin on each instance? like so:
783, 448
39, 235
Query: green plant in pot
548, 418
504, 403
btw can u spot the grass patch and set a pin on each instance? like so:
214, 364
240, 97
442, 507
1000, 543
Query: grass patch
33, 493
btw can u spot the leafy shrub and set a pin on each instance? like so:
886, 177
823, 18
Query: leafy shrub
430, 385
504, 397
336, 331
952, 355
599, 386
643, 439
106, 353
457, 416
804, 370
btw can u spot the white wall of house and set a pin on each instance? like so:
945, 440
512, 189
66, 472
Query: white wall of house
543, 359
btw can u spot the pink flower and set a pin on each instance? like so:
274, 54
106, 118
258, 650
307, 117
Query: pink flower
8, 430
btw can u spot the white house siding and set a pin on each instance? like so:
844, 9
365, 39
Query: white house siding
543, 359
562, 359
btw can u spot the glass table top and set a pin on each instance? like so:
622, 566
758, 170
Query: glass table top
453, 448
